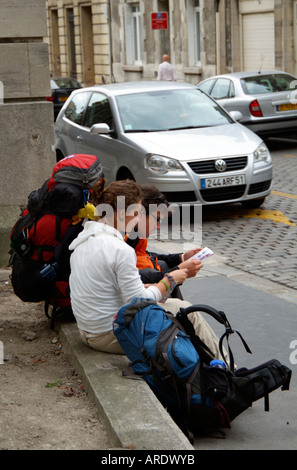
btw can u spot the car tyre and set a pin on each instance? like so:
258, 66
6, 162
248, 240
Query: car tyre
125, 174
59, 155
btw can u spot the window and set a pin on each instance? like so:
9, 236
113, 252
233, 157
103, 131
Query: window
98, 111
194, 31
71, 43
136, 33
133, 34
76, 107
65, 82
223, 88
55, 43
206, 86
197, 30
169, 110
268, 83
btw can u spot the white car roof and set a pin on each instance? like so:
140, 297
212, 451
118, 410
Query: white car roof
140, 87
249, 74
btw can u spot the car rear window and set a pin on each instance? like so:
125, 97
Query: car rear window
268, 84
65, 83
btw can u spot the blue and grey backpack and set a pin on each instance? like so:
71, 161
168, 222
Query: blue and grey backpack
165, 351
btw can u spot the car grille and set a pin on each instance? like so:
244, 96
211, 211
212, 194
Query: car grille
185, 196
218, 194
223, 194
208, 166
259, 187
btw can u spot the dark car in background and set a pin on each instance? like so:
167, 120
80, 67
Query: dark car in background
265, 101
61, 88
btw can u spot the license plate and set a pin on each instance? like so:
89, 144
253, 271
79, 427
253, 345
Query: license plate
222, 181
63, 98
286, 107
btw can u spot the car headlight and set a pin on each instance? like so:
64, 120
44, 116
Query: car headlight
261, 154
161, 165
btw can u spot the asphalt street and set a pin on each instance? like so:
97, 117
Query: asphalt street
265, 315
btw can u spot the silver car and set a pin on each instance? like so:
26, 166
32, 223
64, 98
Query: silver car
266, 101
170, 135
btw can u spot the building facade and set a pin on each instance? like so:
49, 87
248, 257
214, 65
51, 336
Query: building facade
101, 41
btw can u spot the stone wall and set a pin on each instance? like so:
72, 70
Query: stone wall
26, 119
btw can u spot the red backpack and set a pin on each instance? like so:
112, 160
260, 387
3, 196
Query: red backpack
41, 236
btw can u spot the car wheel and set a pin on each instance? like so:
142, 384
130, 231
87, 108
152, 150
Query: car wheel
254, 203
125, 174
59, 155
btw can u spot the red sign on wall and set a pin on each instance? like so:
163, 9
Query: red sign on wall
160, 20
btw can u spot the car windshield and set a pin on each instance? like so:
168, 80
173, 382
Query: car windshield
169, 110
268, 84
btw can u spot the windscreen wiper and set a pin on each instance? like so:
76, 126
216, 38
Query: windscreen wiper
185, 127
131, 131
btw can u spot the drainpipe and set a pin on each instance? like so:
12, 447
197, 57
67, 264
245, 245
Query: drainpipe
218, 39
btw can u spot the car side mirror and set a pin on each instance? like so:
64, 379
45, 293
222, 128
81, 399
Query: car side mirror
100, 129
236, 115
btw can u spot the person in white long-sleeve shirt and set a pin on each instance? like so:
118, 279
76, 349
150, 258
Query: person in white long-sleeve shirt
166, 70
104, 276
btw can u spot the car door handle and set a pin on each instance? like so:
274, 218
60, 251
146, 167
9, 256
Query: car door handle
79, 138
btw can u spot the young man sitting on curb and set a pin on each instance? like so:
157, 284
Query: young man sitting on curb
153, 266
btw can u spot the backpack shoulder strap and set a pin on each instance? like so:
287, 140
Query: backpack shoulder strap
221, 318
65, 241
37, 198
36, 201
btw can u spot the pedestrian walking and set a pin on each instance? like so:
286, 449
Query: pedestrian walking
166, 70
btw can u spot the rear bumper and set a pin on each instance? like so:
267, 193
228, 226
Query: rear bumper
271, 127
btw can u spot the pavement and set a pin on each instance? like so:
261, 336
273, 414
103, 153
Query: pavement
262, 310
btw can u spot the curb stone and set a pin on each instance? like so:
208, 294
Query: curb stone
134, 417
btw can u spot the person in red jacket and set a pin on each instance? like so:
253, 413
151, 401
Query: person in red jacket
152, 266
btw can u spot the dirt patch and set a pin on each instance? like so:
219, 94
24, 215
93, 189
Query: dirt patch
43, 403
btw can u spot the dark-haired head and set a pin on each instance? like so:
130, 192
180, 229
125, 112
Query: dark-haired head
152, 196
155, 205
